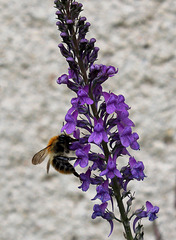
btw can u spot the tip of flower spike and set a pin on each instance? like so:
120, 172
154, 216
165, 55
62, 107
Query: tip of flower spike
58, 23
69, 21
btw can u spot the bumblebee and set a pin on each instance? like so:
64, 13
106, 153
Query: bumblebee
57, 148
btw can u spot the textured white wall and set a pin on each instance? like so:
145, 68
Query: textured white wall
139, 38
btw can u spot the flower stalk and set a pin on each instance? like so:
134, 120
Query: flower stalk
124, 218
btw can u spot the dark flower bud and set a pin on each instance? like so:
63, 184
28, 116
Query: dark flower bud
82, 19
63, 79
58, 23
83, 30
77, 6
60, 15
64, 2
58, 12
71, 63
64, 51
94, 55
92, 40
70, 22
65, 38
83, 42
61, 26
75, 10
64, 35
56, 2
80, 22
129, 202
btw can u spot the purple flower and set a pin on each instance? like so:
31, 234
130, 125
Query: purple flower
137, 169
76, 105
82, 155
99, 133
63, 79
115, 103
86, 180
111, 171
117, 148
71, 120
98, 161
129, 139
83, 95
100, 73
76, 134
103, 192
151, 213
100, 211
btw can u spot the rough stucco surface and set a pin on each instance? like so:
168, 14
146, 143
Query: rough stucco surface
136, 36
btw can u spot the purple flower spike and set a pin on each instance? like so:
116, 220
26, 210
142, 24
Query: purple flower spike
71, 120
100, 211
99, 123
111, 170
151, 211
99, 133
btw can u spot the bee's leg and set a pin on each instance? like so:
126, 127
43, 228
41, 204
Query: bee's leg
71, 158
76, 174
65, 158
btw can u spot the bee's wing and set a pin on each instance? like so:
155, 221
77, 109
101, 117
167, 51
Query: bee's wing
40, 156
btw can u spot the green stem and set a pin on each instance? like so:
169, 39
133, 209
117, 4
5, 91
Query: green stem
124, 218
